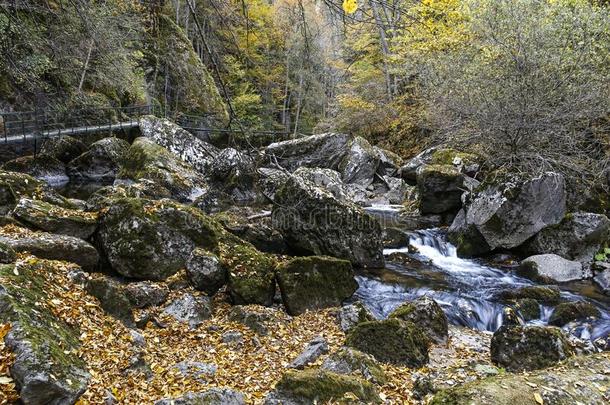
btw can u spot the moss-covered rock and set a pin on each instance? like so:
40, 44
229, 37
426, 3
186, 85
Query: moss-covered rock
391, 341
572, 311
354, 314
51, 218
205, 272
319, 386
100, 162
143, 188
548, 295
234, 173
519, 348
14, 186
43, 167
427, 315
528, 308
63, 148
350, 361
315, 282
112, 297
46, 369
7, 253
440, 189
148, 239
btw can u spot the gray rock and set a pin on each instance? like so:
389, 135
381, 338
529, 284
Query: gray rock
191, 309
389, 162
324, 150
63, 148
100, 162
602, 276
316, 348
271, 180
255, 319
409, 170
137, 338
351, 315
142, 188
551, 268
326, 179
213, 396
427, 315
234, 173
255, 227
197, 370
571, 311
145, 294
112, 298
205, 272
440, 188
360, 163
7, 253
42, 167
350, 361
232, 338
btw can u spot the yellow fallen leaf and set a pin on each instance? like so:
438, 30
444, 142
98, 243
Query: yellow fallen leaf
538, 398
6, 380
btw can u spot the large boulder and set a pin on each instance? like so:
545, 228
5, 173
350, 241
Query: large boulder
572, 311
255, 227
389, 162
326, 179
391, 341
100, 162
42, 167
51, 218
112, 297
427, 315
147, 160
178, 141
547, 295
350, 361
509, 213
50, 246
320, 386
189, 308
323, 150
313, 221
466, 163
353, 314
213, 396
360, 163
314, 282
63, 148
440, 188
142, 188
519, 348
234, 172
551, 268
205, 272
149, 239
46, 368
14, 186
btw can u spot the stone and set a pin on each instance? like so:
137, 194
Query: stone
255, 227
205, 272
213, 396
46, 368
508, 213
572, 311
254, 317
389, 162
350, 361
152, 240
54, 219
466, 163
394, 238
232, 338
314, 282
147, 160
100, 162
41, 167
142, 188
112, 298
234, 172
314, 350
353, 314
326, 179
427, 315
524, 348
547, 295
528, 308
196, 370
270, 181
144, 294
7, 254
63, 148
190, 309
318, 386
602, 277
313, 221
391, 341
323, 150
440, 189
360, 163
550, 268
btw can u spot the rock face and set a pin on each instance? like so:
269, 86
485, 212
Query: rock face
190, 309
550, 268
572, 311
350, 361
51, 218
214, 396
519, 348
507, 215
319, 386
354, 314
310, 283
205, 272
42, 167
100, 162
316, 348
427, 315
391, 341
254, 227
46, 369
234, 173
152, 240
440, 189
147, 160
360, 163
313, 221
324, 150
63, 148
180, 142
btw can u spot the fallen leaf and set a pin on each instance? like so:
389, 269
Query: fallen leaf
538, 398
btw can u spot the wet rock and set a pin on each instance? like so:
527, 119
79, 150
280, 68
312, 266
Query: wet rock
144, 294
205, 272
394, 238
186, 146
323, 150
63, 148
314, 282
391, 341
551, 268
112, 298
427, 315
316, 348
528, 308
360, 162
573, 311
50, 246
350, 361
46, 369
152, 240
602, 276
42, 167
213, 396
100, 162
142, 188
440, 189
507, 214
147, 160
7, 253
351, 315
510, 317
54, 219
255, 318
313, 221
519, 348
548, 295
319, 386
190, 309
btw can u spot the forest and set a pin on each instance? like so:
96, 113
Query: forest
304, 202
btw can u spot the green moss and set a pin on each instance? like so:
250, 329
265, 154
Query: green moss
7, 254
446, 156
528, 308
548, 295
572, 311
359, 362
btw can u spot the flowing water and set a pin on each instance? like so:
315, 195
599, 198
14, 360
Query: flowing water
465, 289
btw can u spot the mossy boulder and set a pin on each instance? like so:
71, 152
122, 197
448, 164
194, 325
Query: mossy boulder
143, 188
391, 341
440, 188
528, 308
112, 297
322, 150
46, 369
350, 361
7, 253
519, 348
548, 295
14, 186
427, 315
42, 167
319, 386
51, 218
234, 173
147, 160
63, 148
573, 311
467, 163
100, 162
315, 282
251, 274
149, 239
353, 314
